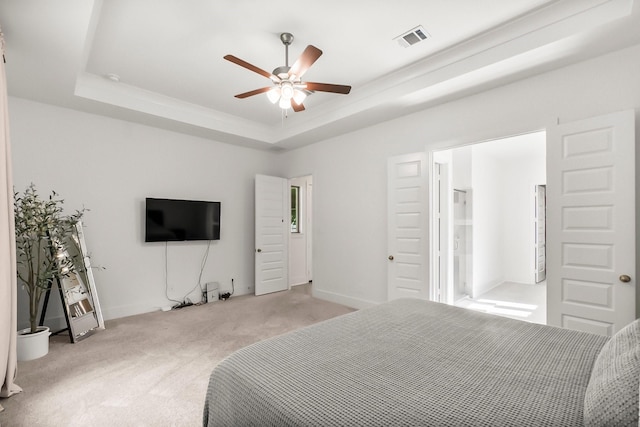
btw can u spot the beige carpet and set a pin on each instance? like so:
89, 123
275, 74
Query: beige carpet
151, 369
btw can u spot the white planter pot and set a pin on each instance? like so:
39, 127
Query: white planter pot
33, 346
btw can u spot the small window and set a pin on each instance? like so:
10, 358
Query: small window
295, 209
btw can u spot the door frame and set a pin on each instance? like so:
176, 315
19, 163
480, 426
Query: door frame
540, 222
306, 208
441, 257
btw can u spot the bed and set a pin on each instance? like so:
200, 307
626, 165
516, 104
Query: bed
418, 363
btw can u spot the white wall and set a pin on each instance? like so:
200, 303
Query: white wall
110, 166
462, 167
350, 171
488, 219
522, 174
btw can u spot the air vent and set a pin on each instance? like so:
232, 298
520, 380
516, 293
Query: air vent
412, 37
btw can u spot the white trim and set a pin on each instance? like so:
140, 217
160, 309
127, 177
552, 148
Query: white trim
352, 302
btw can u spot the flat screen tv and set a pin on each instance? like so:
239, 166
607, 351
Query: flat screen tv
168, 220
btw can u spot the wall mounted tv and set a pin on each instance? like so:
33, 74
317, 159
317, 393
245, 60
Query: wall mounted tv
168, 220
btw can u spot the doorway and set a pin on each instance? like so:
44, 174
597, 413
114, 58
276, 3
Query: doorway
487, 240
301, 235
461, 243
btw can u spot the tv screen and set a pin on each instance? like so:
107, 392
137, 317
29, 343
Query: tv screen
169, 220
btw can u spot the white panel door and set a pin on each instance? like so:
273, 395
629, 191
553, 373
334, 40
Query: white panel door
272, 233
591, 224
407, 227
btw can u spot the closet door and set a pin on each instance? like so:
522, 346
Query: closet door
407, 227
591, 283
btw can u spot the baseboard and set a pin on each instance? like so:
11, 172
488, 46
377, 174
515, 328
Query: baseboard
129, 310
348, 301
291, 285
487, 287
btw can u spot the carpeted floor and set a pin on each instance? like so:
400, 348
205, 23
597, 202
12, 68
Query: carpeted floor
151, 369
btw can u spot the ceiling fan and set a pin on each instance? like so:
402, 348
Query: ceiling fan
288, 90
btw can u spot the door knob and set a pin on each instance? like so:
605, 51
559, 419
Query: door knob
390, 257
625, 279
258, 250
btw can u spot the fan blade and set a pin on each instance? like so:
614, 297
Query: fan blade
250, 67
253, 92
297, 107
326, 87
306, 60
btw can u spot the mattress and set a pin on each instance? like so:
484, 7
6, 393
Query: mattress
407, 362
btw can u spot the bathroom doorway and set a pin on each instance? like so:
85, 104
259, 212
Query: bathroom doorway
489, 211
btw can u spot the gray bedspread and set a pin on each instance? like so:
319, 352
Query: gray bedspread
408, 363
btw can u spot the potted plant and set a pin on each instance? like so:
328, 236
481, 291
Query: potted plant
41, 228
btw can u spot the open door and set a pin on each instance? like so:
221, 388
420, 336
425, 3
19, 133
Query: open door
407, 227
272, 234
541, 233
591, 224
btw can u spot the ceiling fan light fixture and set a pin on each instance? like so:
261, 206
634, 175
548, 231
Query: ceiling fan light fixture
286, 90
285, 103
274, 94
299, 96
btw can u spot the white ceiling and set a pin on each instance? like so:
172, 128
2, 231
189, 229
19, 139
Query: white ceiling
169, 57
